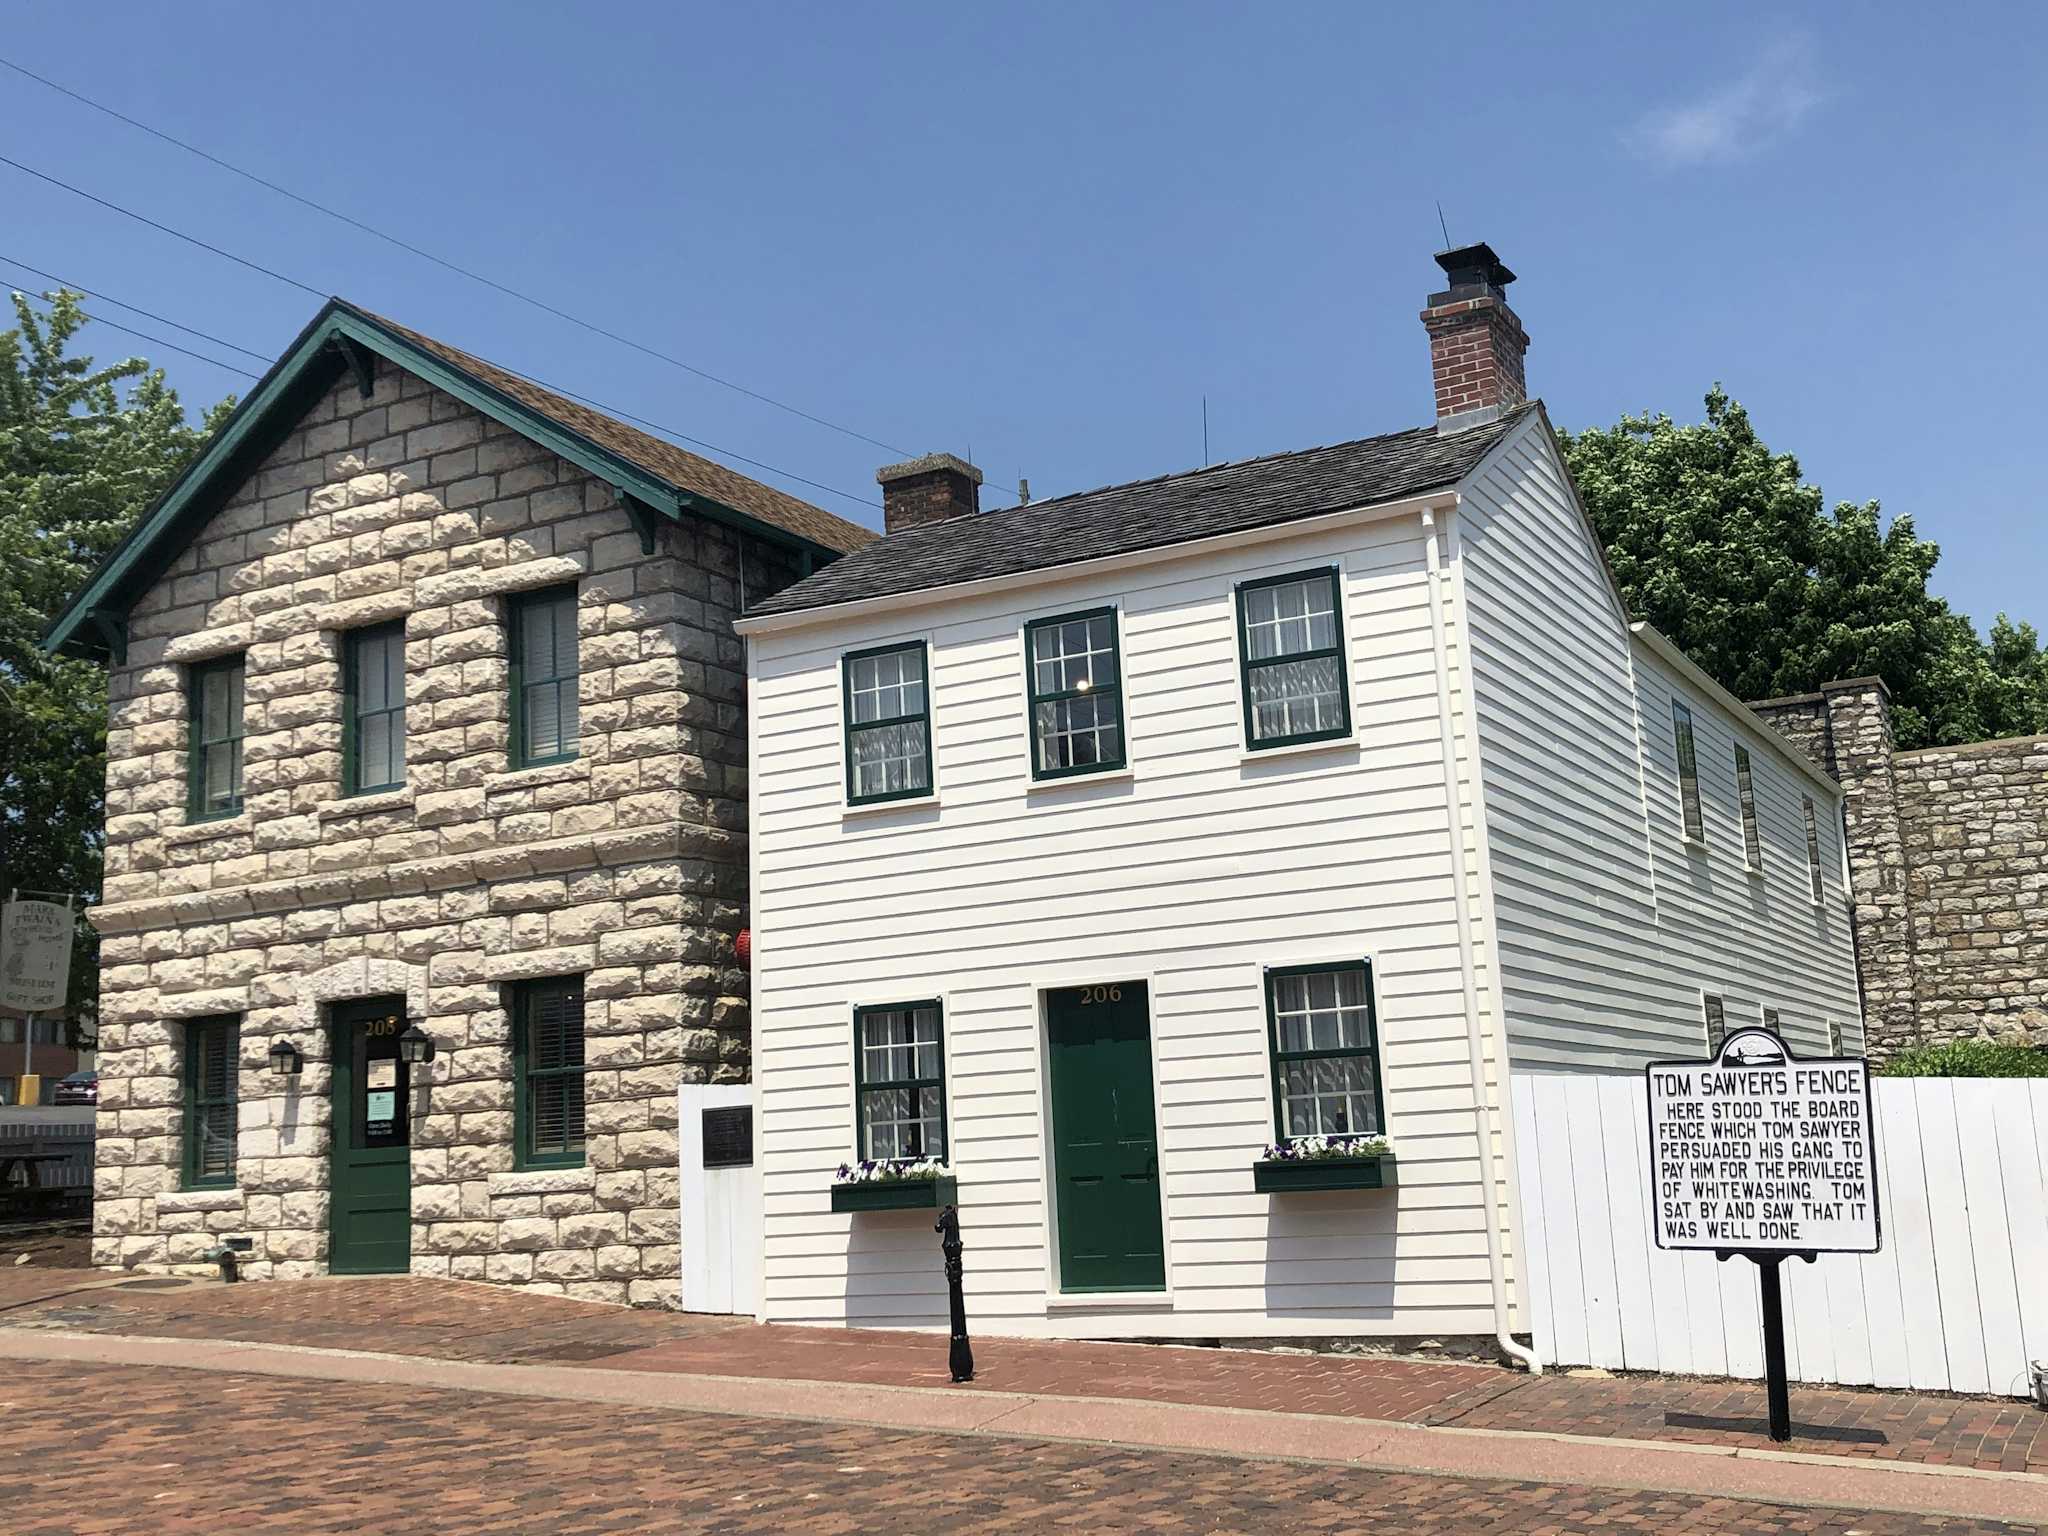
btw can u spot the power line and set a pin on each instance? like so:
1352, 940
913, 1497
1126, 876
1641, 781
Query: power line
594, 404
444, 262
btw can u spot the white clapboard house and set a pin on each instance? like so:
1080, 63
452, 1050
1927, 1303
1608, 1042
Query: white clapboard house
1099, 843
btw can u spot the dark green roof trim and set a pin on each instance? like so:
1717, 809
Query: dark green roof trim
341, 338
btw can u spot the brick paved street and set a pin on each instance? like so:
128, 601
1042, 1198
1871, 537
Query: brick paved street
110, 1451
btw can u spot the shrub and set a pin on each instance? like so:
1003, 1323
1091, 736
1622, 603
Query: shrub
1968, 1058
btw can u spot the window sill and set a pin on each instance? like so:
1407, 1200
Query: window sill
365, 805
206, 831
1693, 844
565, 771
1109, 1301
1301, 748
205, 1197
850, 809
1754, 871
1076, 780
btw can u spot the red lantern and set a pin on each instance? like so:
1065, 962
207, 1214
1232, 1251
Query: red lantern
743, 946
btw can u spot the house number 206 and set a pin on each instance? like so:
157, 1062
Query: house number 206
1101, 995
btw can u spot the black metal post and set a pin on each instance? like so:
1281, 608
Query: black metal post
1774, 1344
961, 1357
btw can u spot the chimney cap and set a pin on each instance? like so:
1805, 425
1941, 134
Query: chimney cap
929, 464
1474, 265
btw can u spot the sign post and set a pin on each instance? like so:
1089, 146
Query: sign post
1760, 1154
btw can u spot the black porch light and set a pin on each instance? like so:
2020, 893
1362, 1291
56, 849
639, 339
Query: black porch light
285, 1059
415, 1046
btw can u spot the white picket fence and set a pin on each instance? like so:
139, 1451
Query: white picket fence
1957, 1300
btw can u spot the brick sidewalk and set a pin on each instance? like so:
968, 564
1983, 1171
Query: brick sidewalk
136, 1449
453, 1321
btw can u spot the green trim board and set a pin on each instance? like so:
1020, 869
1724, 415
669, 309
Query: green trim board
553, 682
1276, 1178
921, 717
917, 1084
896, 1194
1281, 1060
214, 735
332, 344
548, 1072
1249, 664
373, 669
211, 1067
1089, 691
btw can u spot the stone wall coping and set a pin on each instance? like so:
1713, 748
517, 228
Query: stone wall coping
1785, 699
1856, 685
2014, 744
207, 831
365, 805
175, 1200
543, 1181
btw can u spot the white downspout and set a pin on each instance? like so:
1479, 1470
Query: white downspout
1482, 1122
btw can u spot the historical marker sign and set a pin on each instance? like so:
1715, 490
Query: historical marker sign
1761, 1151
35, 956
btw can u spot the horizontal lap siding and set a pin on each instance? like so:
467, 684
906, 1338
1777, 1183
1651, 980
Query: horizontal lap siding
1608, 928
1196, 872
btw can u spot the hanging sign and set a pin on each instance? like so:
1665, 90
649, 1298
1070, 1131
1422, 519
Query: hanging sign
1762, 1151
35, 956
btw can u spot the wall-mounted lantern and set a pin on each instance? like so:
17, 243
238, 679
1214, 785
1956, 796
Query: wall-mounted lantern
415, 1046
285, 1059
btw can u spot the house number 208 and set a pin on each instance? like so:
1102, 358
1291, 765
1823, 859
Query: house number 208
1102, 995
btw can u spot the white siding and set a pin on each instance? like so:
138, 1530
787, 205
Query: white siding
1610, 926
1193, 872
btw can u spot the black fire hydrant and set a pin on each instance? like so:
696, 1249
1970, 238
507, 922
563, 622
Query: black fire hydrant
961, 1357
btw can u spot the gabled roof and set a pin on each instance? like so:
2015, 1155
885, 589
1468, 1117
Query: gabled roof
655, 476
1147, 514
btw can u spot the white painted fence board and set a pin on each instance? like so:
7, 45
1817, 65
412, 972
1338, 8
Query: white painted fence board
1953, 1300
719, 1214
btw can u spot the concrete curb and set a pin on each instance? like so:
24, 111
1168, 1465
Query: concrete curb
1779, 1477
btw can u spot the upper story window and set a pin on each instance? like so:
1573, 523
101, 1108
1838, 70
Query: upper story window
1812, 848
1688, 773
888, 724
1291, 634
214, 765
899, 1075
1325, 1046
543, 677
1771, 1020
1716, 1020
211, 1048
547, 1073
1077, 710
1745, 792
373, 710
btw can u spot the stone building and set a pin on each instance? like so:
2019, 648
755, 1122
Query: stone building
1948, 867
426, 727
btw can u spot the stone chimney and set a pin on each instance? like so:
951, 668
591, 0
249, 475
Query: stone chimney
1475, 341
932, 489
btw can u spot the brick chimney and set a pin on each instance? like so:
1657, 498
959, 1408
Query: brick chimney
932, 489
1475, 341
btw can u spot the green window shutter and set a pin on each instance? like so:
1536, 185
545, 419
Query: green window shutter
543, 680
1291, 635
548, 1073
1075, 694
899, 1082
1322, 1032
214, 740
1688, 773
211, 1051
373, 710
888, 723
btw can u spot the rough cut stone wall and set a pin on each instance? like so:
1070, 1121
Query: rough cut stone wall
1948, 866
626, 866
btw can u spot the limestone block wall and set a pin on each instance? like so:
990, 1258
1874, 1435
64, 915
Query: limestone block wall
626, 865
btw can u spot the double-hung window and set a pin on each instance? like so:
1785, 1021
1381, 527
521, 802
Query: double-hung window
214, 740
1325, 1045
373, 712
1745, 792
1291, 637
1688, 773
899, 1081
211, 1048
1812, 848
1077, 709
1716, 1016
1771, 1020
547, 1073
888, 724
543, 677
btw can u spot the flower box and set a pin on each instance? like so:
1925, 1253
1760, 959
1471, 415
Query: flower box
1273, 1177
896, 1194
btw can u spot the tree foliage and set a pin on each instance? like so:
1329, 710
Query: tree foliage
83, 450
1717, 542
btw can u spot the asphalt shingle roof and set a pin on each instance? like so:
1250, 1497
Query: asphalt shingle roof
1146, 514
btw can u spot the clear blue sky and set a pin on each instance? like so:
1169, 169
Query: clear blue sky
1045, 232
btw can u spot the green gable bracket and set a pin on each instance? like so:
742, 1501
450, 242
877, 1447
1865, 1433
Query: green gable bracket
113, 632
360, 363
646, 521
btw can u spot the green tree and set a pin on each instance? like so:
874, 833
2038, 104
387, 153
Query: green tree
1718, 542
83, 450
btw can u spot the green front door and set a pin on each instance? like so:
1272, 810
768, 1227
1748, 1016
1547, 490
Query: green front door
369, 1226
1105, 1139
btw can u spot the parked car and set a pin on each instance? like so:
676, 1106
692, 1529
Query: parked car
78, 1088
